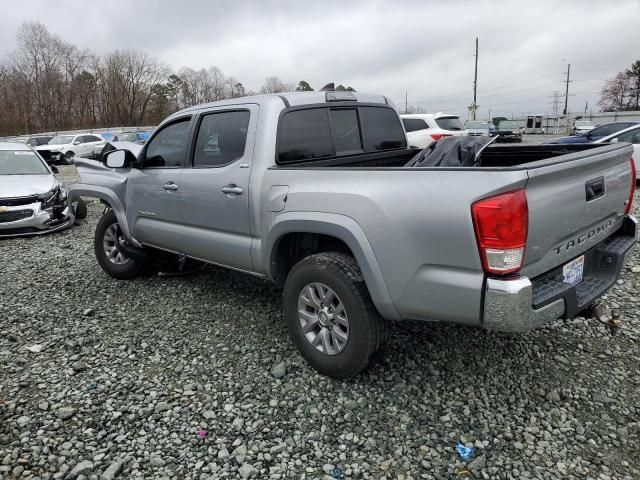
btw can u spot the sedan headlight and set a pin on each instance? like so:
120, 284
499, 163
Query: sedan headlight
53, 197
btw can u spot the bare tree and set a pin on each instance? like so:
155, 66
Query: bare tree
615, 93
274, 85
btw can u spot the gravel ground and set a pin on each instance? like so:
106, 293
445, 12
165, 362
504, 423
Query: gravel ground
194, 377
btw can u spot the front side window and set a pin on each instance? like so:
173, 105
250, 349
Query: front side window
605, 130
167, 148
632, 136
381, 129
221, 138
304, 135
414, 124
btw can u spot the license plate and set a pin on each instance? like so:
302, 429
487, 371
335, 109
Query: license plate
572, 271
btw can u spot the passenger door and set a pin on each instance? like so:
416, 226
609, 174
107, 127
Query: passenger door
153, 212
214, 194
633, 137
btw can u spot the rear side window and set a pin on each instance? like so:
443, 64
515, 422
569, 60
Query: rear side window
449, 123
381, 129
221, 138
304, 135
414, 124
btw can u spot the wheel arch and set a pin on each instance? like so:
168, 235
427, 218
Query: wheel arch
318, 232
110, 198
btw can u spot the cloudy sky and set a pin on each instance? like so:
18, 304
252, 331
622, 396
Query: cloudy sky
424, 48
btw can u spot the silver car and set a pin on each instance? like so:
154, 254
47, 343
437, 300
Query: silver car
32, 200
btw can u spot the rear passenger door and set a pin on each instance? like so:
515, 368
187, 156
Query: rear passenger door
214, 195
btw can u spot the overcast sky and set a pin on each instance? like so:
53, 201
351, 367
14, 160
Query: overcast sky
424, 48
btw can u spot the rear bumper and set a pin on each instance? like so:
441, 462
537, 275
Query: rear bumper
521, 304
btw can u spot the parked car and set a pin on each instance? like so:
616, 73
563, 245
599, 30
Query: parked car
63, 148
509, 131
477, 129
266, 185
594, 134
582, 126
131, 137
425, 128
33, 141
32, 200
630, 135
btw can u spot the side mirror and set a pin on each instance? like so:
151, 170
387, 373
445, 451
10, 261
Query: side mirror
54, 169
77, 142
116, 159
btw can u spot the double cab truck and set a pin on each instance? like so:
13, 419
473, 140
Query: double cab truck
312, 191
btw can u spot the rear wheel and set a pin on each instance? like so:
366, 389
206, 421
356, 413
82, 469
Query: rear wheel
330, 315
107, 245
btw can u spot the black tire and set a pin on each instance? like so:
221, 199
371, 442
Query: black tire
123, 271
81, 209
367, 330
67, 159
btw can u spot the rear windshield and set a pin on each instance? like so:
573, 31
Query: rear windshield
450, 123
326, 132
477, 125
21, 162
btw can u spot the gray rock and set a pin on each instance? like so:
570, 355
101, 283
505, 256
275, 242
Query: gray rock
553, 396
477, 463
247, 471
81, 468
162, 407
112, 470
64, 413
23, 421
157, 462
279, 370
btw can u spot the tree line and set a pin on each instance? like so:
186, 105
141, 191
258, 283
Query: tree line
47, 84
622, 92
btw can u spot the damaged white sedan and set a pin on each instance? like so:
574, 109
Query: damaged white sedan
32, 200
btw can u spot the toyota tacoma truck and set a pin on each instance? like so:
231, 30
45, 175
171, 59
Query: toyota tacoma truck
314, 192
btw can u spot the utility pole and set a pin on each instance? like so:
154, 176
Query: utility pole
566, 97
566, 92
406, 102
474, 105
586, 105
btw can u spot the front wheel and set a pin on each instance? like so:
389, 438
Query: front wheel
330, 315
67, 159
107, 245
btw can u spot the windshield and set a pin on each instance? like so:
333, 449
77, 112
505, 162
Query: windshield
449, 123
61, 140
477, 125
21, 162
508, 125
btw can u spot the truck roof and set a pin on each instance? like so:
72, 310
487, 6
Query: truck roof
293, 99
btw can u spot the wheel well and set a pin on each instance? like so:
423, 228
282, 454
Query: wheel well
293, 247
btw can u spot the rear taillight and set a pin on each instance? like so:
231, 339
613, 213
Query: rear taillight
501, 223
627, 209
438, 136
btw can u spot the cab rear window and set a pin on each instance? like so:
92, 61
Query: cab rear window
319, 133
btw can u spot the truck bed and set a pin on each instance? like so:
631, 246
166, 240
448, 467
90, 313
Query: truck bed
494, 156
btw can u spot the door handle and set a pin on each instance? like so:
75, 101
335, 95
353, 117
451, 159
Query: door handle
232, 189
170, 187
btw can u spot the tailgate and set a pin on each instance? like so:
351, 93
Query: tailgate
575, 202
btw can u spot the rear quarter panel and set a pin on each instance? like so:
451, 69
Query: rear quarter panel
417, 222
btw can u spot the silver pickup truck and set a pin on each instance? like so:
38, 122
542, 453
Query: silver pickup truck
311, 190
